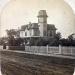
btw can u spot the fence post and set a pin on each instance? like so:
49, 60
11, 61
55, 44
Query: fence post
47, 49
24, 47
71, 51
29, 49
74, 72
60, 50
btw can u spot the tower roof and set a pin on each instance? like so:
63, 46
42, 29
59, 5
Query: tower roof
42, 13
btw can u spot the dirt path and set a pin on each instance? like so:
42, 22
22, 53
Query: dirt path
19, 64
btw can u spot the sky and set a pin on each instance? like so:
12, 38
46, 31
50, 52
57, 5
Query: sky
15, 13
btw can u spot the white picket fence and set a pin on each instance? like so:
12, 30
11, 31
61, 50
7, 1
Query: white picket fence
1, 47
50, 50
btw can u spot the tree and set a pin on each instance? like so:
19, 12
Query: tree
11, 41
11, 33
11, 36
71, 39
56, 40
65, 42
19, 42
1, 41
58, 36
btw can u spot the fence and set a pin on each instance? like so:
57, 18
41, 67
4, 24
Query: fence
16, 48
44, 49
1, 47
50, 50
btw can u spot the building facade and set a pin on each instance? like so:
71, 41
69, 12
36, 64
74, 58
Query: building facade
40, 29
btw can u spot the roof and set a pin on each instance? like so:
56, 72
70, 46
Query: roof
42, 13
23, 27
35, 26
51, 27
30, 26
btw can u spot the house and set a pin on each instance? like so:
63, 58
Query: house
40, 29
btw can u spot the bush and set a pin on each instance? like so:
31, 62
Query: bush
16, 48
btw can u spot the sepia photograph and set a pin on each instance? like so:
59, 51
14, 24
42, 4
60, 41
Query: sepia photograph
37, 37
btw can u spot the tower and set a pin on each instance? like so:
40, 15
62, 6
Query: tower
42, 22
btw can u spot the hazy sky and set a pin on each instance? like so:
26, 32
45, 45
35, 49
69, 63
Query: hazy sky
20, 12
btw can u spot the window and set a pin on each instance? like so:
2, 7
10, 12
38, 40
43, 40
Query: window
50, 33
25, 33
45, 33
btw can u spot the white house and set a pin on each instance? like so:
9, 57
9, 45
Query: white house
40, 29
